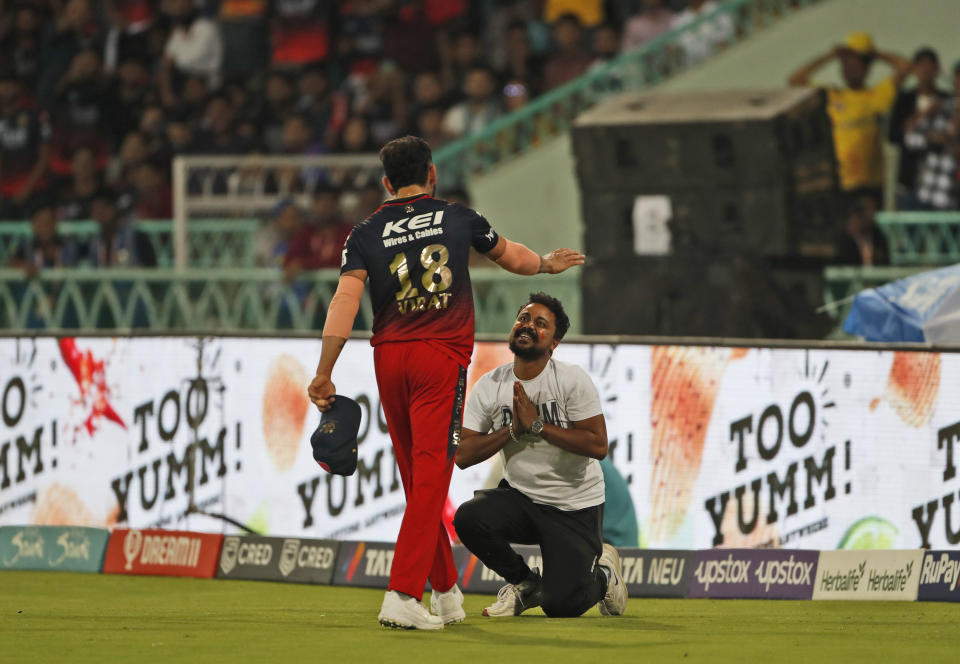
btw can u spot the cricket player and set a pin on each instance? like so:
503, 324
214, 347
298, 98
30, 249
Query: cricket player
415, 251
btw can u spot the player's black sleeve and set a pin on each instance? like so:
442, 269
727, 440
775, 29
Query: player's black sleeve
482, 236
352, 259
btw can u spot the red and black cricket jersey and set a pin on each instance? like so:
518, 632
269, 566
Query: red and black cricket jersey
416, 252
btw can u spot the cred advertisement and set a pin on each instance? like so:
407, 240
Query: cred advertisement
737, 448
162, 553
277, 559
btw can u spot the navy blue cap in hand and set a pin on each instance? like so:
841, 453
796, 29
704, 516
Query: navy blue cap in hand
335, 439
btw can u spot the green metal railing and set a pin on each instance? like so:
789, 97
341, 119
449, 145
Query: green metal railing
227, 300
211, 243
552, 113
922, 238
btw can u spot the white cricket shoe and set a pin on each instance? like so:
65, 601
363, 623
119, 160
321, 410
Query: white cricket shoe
405, 612
514, 599
448, 605
614, 602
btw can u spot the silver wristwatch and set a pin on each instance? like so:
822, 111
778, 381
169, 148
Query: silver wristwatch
537, 427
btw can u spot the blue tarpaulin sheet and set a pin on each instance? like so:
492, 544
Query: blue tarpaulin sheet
897, 311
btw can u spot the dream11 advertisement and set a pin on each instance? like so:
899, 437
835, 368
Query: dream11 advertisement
720, 447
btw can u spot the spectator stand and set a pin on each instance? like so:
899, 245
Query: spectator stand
553, 113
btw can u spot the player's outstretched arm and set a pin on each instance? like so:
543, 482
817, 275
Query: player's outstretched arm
341, 313
515, 257
559, 260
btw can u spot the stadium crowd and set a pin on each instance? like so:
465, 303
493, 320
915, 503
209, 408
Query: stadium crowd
96, 96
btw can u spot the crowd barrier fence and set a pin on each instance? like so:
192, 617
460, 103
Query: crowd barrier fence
885, 575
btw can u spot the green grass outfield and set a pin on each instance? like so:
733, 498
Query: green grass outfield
61, 617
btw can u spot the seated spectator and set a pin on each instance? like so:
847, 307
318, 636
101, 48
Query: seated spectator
279, 104
521, 136
463, 56
655, 19
76, 29
217, 134
356, 137
521, 61
153, 125
429, 126
20, 48
131, 93
910, 107
24, 146
151, 191
83, 112
193, 48
700, 42
427, 91
273, 239
326, 107
606, 44
134, 150
179, 136
935, 133
365, 201
862, 242
190, 98
118, 244
298, 136
245, 113
516, 95
382, 102
481, 107
45, 248
856, 110
570, 59
77, 191
319, 243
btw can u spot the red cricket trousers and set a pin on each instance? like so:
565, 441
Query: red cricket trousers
422, 393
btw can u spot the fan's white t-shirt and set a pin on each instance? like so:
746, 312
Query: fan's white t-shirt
562, 393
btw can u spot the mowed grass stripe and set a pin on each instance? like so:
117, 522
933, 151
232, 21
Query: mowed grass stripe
62, 617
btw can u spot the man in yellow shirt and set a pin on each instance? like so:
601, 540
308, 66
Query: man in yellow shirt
856, 110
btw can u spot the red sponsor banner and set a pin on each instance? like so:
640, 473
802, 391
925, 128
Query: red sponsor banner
163, 553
